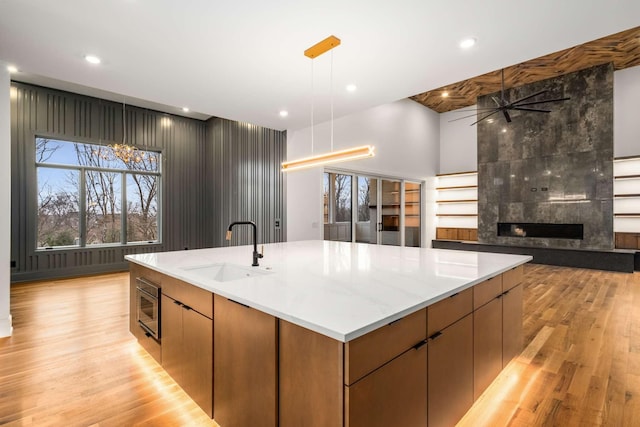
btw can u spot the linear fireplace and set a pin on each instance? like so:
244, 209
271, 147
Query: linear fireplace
528, 229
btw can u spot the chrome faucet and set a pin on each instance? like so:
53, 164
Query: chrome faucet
256, 255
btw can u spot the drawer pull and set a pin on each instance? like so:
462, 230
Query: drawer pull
420, 344
239, 303
435, 336
397, 320
451, 296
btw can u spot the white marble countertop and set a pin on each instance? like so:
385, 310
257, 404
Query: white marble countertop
341, 290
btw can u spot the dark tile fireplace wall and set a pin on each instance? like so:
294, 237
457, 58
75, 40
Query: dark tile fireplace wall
551, 168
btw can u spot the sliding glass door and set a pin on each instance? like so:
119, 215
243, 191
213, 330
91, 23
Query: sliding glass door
337, 206
382, 211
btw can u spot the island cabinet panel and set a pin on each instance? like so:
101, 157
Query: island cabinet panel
512, 313
188, 294
450, 373
487, 345
370, 351
144, 338
449, 310
187, 350
245, 388
311, 378
486, 291
513, 277
392, 395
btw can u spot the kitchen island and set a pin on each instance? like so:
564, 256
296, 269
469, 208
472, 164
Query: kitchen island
332, 333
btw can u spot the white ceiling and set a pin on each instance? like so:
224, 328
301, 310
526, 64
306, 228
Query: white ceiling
243, 60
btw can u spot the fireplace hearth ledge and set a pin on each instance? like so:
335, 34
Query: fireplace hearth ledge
621, 260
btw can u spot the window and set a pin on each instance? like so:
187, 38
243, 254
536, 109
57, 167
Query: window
91, 194
337, 206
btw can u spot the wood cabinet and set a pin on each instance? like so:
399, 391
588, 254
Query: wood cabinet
245, 386
512, 313
368, 352
450, 373
393, 395
450, 358
386, 375
244, 367
187, 340
497, 326
311, 378
487, 345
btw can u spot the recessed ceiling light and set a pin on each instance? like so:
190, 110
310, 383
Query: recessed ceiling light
284, 113
445, 94
185, 109
467, 43
504, 130
352, 88
92, 59
12, 69
489, 120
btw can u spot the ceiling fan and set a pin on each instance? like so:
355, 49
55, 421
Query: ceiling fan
503, 105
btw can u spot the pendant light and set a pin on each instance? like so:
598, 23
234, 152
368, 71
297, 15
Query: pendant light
332, 156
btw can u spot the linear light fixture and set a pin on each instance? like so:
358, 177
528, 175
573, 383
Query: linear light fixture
332, 157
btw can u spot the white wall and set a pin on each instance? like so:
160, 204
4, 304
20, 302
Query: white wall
458, 142
5, 201
626, 125
405, 135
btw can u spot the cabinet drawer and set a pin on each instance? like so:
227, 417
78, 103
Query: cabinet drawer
193, 296
486, 291
449, 310
394, 395
512, 277
370, 351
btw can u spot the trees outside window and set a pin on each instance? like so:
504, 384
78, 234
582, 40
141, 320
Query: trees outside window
90, 194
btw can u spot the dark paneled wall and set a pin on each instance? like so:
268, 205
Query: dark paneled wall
247, 183
244, 158
551, 167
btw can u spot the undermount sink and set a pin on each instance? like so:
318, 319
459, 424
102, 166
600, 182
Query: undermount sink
226, 272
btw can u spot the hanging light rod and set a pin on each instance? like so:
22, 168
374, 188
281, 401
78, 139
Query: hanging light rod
332, 157
322, 47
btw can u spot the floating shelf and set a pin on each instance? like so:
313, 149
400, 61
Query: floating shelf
461, 214
457, 173
460, 187
626, 177
626, 208
457, 201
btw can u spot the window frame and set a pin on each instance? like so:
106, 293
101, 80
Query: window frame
82, 170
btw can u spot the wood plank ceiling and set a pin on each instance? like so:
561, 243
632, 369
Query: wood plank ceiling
623, 49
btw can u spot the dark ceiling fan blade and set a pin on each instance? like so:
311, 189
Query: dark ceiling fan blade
529, 96
476, 109
486, 116
520, 104
472, 115
531, 109
506, 115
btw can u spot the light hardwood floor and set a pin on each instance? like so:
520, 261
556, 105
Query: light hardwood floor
72, 361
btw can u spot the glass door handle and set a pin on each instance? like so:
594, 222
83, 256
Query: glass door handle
379, 226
